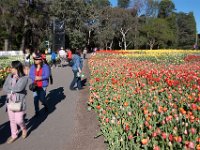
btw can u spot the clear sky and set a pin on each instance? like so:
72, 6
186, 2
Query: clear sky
183, 6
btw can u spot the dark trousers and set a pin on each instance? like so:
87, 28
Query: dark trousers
54, 62
39, 95
84, 56
76, 80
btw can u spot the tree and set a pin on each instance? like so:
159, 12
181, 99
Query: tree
123, 3
186, 30
73, 14
151, 8
166, 8
157, 33
94, 10
8, 19
105, 33
122, 23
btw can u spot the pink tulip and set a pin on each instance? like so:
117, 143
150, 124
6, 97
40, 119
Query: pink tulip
191, 145
130, 137
154, 134
185, 132
129, 113
193, 130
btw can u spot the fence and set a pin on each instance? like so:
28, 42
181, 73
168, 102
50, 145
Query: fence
10, 53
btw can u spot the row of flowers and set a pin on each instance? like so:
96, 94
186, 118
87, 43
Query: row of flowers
159, 56
5, 66
3, 74
146, 105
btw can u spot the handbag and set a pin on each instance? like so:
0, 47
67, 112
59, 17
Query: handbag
15, 106
32, 87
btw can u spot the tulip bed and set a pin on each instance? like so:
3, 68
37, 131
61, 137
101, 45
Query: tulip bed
4, 66
144, 104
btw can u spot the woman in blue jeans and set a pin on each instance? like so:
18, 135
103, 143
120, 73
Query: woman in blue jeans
39, 74
77, 69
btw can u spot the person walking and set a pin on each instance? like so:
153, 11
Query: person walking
84, 53
69, 55
62, 56
77, 69
53, 58
15, 87
39, 74
27, 57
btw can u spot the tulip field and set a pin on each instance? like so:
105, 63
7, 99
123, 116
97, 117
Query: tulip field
4, 66
147, 99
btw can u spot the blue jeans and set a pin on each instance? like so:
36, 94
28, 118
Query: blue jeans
39, 94
76, 80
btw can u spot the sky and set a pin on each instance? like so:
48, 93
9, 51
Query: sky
183, 6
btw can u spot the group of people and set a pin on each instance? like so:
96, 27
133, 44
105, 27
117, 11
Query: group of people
39, 73
63, 56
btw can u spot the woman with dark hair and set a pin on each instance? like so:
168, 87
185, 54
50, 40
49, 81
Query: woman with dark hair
77, 68
39, 74
15, 87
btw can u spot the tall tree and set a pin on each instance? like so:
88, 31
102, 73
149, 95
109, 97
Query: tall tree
8, 19
93, 17
151, 8
123, 3
166, 11
105, 33
166, 8
122, 23
157, 33
72, 13
186, 30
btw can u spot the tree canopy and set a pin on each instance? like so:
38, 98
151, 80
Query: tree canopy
136, 24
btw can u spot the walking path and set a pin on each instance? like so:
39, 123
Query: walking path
67, 126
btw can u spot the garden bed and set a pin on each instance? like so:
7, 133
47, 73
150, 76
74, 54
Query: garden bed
144, 104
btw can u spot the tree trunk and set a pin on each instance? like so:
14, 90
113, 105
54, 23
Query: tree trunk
6, 44
89, 34
151, 43
24, 38
151, 46
136, 34
124, 37
106, 45
110, 47
125, 45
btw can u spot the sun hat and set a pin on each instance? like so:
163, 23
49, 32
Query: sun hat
38, 57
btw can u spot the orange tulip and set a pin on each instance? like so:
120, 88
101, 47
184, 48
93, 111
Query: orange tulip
98, 107
125, 104
144, 141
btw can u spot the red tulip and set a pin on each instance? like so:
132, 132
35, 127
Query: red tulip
164, 135
156, 148
127, 128
170, 137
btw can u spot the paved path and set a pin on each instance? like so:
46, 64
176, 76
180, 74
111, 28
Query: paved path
68, 126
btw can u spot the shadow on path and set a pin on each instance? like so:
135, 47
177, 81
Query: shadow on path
53, 98
4, 132
2, 100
